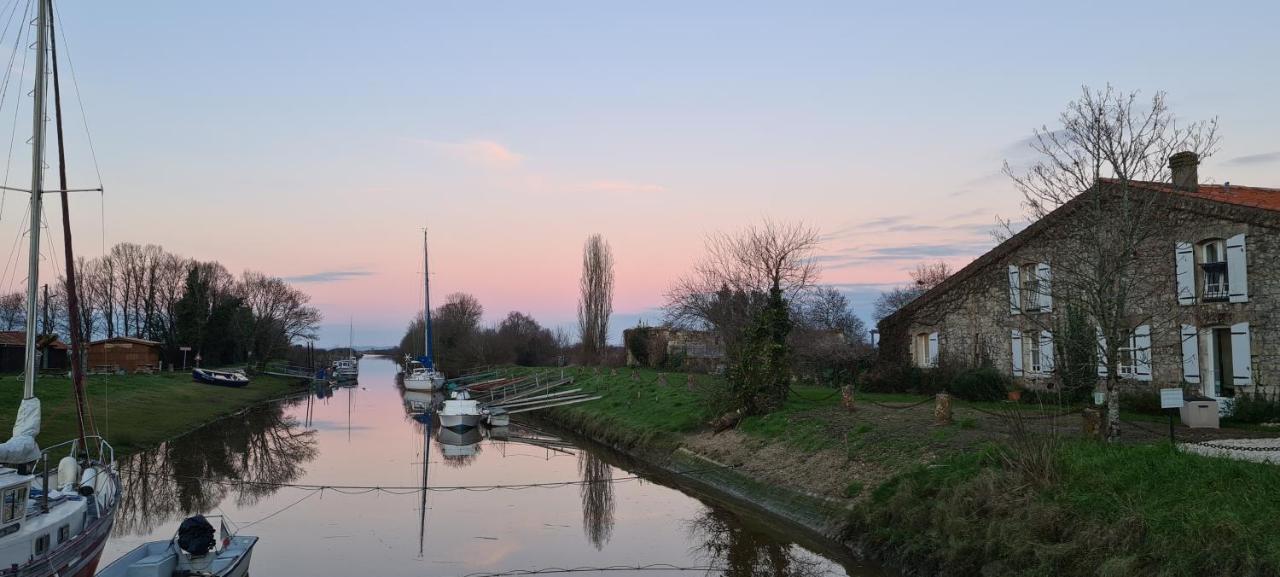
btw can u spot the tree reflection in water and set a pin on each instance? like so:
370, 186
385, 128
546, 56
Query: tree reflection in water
726, 542
260, 445
597, 498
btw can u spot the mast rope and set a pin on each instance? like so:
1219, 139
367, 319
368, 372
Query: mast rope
19, 34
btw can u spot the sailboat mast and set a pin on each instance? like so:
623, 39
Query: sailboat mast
426, 291
37, 189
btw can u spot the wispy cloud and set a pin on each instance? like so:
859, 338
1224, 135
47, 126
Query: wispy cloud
483, 153
328, 276
1252, 159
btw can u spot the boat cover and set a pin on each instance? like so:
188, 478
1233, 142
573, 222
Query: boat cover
195, 536
22, 447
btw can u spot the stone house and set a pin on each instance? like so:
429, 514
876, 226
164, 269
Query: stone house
1217, 269
657, 347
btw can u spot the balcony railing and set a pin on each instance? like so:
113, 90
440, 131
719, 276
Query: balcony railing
1216, 287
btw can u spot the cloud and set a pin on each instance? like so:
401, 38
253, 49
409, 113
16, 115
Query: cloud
623, 187
480, 152
1251, 159
327, 276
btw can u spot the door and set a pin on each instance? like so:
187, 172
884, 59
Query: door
1223, 370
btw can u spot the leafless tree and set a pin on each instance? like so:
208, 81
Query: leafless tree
280, 314
595, 301
13, 311
750, 263
1108, 260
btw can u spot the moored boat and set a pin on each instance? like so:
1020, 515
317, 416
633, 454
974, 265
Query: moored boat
220, 378
193, 551
346, 370
460, 412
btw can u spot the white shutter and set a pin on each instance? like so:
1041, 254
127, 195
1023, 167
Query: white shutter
1046, 352
1015, 299
1185, 262
1102, 354
933, 349
1017, 352
1142, 353
1190, 354
1237, 275
1241, 358
1046, 296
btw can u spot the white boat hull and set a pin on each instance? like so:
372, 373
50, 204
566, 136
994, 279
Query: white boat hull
459, 421
424, 384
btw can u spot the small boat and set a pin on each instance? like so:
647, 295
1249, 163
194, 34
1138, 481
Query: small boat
496, 417
346, 370
193, 551
419, 377
460, 412
220, 378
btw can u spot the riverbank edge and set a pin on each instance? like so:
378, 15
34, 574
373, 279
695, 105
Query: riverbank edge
249, 406
823, 521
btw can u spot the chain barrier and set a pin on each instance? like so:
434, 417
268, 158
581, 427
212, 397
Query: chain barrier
897, 408
1024, 417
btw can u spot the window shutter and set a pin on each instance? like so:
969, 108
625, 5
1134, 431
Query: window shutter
933, 349
1241, 358
1046, 296
1237, 275
1102, 354
1190, 354
1142, 353
1185, 263
1015, 298
1046, 352
1017, 352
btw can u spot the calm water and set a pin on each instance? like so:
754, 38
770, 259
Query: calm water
362, 436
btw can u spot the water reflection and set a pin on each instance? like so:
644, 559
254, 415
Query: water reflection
725, 541
597, 498
260, 445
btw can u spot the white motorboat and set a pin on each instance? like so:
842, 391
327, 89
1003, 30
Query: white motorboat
496, 417
220, 378
346, 370
193, 551
460, 412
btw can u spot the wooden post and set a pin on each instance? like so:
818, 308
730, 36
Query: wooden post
635, 375
1091, 423
613, 372
662, 379
846, 398
942, 409
689, 383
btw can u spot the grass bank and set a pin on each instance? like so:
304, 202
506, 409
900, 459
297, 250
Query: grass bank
135, 412
944, 500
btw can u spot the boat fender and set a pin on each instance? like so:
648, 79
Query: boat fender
68, 474
88, 481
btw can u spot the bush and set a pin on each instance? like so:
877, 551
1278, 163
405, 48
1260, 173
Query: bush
1256, 408
1146, 402
980, 384
904, 379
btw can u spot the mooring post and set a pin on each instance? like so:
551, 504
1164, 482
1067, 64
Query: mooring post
1090, 423
942, 409
846, 398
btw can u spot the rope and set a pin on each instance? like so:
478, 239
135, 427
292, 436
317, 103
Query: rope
410, 489
649, 567
1024, 417
899, 407
286, 508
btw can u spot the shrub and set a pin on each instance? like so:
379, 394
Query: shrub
980, 384
1141, 401
904, 379
1256, 408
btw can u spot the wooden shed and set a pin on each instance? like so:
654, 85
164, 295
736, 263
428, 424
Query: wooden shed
13, 346
124, 354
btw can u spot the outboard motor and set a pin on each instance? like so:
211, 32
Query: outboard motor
196, 536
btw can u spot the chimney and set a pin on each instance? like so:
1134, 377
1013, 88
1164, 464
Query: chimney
1183, 168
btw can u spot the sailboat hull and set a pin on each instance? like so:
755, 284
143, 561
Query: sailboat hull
78, 558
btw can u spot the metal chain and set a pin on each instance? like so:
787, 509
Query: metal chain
898, 408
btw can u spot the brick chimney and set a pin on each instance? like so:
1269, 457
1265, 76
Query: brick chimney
1183, 168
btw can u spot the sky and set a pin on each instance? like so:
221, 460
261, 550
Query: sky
314, 140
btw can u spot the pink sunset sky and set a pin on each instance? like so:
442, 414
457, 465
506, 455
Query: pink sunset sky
311, 145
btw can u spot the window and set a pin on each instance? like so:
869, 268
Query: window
1128, 365
1030, 287
920, 350
1213, 271
15, 504
42, 544
64, 533
1036, 358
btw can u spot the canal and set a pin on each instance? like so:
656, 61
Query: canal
374, 520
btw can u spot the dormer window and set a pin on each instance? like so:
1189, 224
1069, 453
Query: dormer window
1215, 285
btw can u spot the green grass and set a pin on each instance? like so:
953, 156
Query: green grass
135, 411
1116, 510
640, 411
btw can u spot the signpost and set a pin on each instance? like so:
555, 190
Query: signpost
1171, 401
197, 360
184, 356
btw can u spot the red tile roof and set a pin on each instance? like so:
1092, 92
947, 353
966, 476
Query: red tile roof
19, 339
1250, 196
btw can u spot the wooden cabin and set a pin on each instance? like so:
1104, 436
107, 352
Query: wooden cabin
13, 347
124, 354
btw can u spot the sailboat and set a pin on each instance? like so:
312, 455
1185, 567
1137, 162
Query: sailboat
346, 371
421, 374
52, 522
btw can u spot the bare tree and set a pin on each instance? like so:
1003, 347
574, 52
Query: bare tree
595, 301
13, 311
923, 278
280, 315
1108, 260
930, 274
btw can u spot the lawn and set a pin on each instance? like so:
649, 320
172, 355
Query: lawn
135, 411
